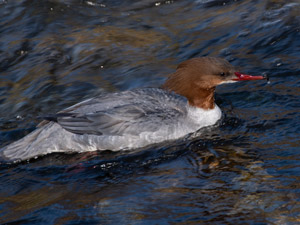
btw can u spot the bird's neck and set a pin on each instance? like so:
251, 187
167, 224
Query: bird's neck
203, 98
198, 95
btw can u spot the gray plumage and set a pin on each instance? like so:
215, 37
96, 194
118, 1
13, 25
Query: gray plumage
128, 112
111, 121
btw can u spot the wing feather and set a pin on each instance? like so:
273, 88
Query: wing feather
128, 112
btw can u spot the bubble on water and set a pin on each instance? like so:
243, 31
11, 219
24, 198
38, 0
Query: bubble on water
18, 117
277, 62
266, 76
90, 3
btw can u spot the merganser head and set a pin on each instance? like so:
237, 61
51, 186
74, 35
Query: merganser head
197, 78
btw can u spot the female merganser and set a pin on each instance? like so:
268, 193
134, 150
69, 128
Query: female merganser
134, 118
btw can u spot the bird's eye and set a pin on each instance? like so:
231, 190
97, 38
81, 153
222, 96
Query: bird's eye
222, 74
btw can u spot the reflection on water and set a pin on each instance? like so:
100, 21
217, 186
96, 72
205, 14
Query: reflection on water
245, 170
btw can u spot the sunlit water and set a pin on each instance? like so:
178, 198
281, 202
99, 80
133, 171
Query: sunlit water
244, 170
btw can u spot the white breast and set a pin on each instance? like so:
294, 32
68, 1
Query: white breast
202, 117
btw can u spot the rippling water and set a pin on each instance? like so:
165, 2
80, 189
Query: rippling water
245, 170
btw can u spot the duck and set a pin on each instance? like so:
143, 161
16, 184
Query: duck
134, 118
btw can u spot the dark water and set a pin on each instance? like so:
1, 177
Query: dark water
246, 170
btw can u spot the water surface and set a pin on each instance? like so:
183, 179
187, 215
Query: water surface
244, 170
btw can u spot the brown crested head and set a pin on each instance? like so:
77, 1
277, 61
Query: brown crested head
197, 78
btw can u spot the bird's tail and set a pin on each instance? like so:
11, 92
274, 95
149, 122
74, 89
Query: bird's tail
27, 147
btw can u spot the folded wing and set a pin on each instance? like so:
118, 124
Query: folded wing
128, 112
